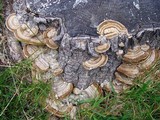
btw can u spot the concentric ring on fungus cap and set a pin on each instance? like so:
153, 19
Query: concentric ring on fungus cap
41, 64
61, 88
115, 86
12, 22
150, 61
137, 54
48, 38
92, 91
129, 70
95, 62
29, 50
102, 48
111, 29
124, 79
28, 35
58, 108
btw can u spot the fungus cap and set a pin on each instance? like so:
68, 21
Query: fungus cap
50, 43
95, 62
29, 35
41, 64
124, 79
150, 61
129, 70
102, 48
137, 54
58, 108
115, 86
58, 71
111, 29
61, 88
48, 35
12, 22
29, 50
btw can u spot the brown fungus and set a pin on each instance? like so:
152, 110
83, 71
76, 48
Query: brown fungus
58, 108
48, 35
111, 29
41, 64
137, 54
95, 62
102, 48
92, 91
124, 79
29, 35
30, 51
115, 86
149, 61
61, 88
58, 71
12, 22
129, 70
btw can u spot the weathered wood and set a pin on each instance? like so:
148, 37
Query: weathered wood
79, 37
81, 17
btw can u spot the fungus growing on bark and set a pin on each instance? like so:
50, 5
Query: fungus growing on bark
111, 29
115, 86
79, 42
12, 22
61, 88
92, 91
124, 79
29, 34
41, 64
129, 70
102, 48
58, 108
137, 54
48, 35
95, 62
30, 51
149, 61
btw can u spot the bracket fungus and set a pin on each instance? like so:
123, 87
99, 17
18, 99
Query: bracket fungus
48, 35
95, 62
58, 108
24, 32
149, 61
29, 35
115, 86
111, 29
137, 54
124, 77
129, 70
92, 91
12, 22
41, 64
61, 88
32, 51
102, 48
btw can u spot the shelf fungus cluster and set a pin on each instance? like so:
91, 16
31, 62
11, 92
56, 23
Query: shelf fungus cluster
62, 100
135, 62
45, 64
29, 33
81, 68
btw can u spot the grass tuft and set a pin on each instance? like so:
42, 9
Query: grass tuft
19, 99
